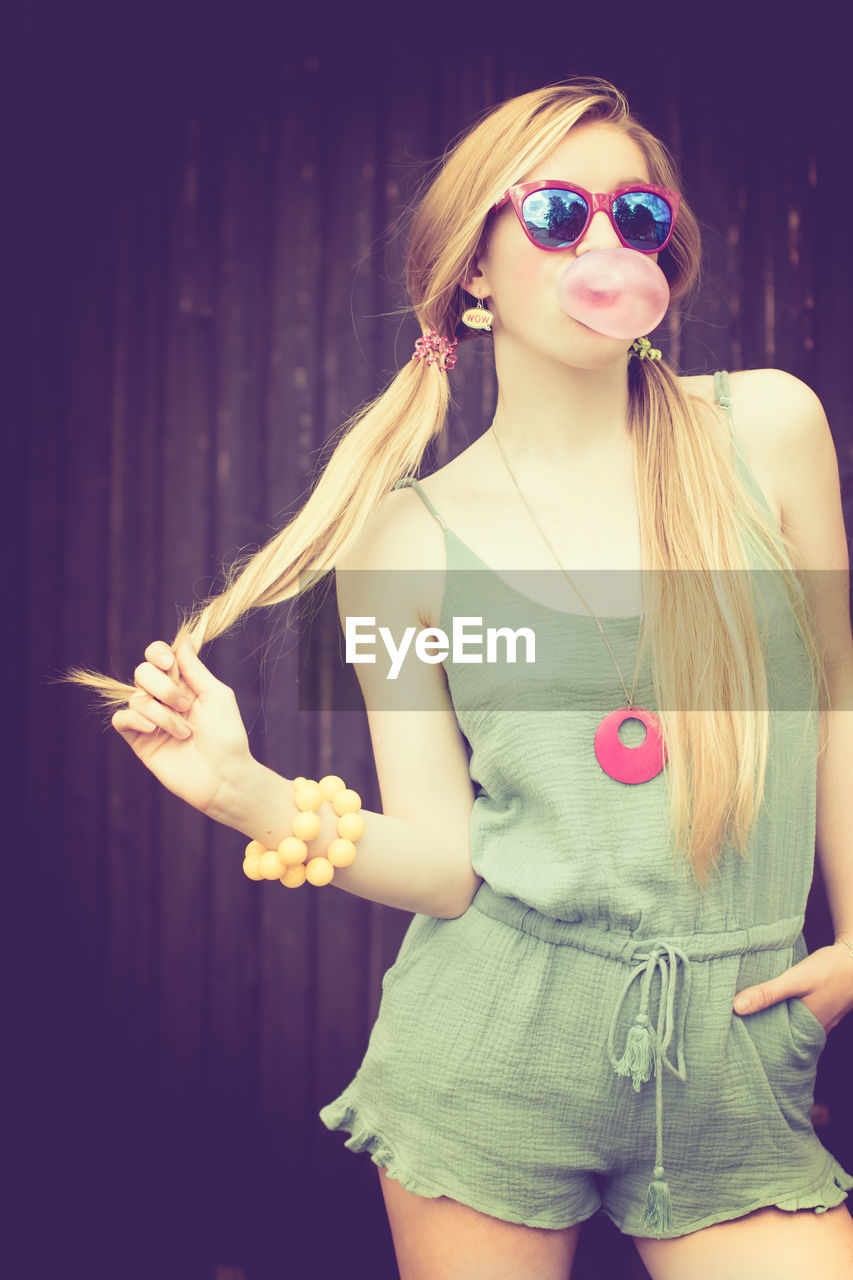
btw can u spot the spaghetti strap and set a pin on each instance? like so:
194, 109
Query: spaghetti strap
410, 482
722, 394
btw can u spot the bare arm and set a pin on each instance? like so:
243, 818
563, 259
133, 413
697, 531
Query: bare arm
404, 862
415, 855
801, 454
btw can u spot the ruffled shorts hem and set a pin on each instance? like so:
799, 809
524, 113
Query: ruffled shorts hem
366, 1137
827, 1193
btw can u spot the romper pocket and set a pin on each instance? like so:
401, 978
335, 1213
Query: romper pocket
418, 934
807, 1031
786, 1040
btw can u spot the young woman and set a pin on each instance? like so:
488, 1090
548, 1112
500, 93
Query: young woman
558, 1032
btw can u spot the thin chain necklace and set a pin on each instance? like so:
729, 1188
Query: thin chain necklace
622, 763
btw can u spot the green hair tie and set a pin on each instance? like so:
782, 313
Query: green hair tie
643, 348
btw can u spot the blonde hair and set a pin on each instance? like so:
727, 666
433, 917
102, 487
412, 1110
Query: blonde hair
717, 759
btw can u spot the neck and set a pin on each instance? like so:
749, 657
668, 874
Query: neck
558, 415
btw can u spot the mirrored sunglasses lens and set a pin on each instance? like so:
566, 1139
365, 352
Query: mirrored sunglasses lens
554, 218
643, 218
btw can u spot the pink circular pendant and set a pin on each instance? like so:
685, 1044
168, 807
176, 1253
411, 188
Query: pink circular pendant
630, 764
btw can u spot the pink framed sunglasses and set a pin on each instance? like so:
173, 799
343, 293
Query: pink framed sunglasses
555, 214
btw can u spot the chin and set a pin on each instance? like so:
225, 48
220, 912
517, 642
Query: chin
591, 347
582, 349
601, 354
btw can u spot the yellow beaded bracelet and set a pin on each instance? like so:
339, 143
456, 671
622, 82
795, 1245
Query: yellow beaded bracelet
289, 863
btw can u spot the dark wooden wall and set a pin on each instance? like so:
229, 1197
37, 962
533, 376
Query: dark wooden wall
197, 215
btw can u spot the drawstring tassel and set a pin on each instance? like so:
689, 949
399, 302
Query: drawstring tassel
658, 1204
638, 1059
645, 1055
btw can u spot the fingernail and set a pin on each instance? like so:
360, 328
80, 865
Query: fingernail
183, 731
183, 704
742, 1004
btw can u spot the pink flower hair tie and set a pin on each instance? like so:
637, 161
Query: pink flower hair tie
436, 350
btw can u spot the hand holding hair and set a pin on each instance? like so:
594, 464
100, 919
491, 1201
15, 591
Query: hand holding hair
188, 732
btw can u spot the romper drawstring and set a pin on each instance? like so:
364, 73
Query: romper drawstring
645, 1053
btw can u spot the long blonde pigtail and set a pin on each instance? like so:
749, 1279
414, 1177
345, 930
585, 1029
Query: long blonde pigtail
383, 443
710, 673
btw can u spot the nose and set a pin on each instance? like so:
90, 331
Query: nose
600, 234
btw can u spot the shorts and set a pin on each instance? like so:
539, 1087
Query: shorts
512, 1068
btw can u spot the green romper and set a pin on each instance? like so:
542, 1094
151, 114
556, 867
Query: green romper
569, 1043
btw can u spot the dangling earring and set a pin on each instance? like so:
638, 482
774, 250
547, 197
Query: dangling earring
478, 317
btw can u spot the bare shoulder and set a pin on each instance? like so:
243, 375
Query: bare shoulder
794, 435
766, 405
403, 534
795, 438
460, 483
758, 393
781, 406
772, 398
781, 424
402, 538
399, 534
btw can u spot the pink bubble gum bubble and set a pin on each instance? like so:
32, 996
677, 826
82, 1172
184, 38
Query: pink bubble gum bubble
617, 292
